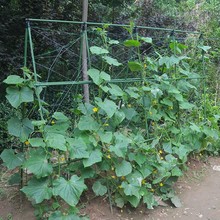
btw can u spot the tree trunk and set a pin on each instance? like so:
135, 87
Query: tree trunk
84, 52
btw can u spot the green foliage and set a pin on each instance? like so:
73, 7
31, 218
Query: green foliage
131, 142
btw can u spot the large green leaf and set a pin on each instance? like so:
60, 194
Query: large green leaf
38, 164
116, 90
111, 61
17, 95
147, 39
94, 74
78, 148
133, 92
60, 116
98, 50
134, 201
117, 118
134, 66
167, 102
130, 189
171, 61
88, 123
132, 43
94, 157
186, 105
149, 199
99, 189
37, 142
123, 168
20, 128
14, 80
130, 113
56, 141
38, 190
121, 144
106, 137
10, 159
108, 106
69, 190
98, 77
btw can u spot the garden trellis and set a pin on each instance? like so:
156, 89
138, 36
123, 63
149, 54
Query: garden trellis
147, 111
56, 34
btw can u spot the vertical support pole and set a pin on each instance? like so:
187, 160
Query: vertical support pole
25, 46
84, 51
204, 84
23, 106
34, 68
135, 33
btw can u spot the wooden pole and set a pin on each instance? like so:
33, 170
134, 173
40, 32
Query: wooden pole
84, 51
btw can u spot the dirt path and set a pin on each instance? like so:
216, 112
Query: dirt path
199, 191
200, 195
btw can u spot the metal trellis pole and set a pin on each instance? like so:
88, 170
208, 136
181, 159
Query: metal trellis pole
34, 68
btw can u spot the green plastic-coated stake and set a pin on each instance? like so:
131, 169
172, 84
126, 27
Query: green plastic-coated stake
34, 67
122, 80
204, 84
25, 47
114, 25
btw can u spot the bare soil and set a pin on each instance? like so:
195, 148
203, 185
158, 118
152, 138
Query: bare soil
199, 191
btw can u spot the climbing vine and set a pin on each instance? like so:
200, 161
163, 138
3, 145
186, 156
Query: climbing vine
131, 143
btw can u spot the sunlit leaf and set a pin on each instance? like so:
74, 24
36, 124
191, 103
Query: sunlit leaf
123, 168
14, 79
98, 50
132, 43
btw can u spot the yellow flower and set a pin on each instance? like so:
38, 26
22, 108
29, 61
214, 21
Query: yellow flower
150, 113
113, 177
112, 168
145, 65
152, 123
27, 142
161, 158
154, 102
143, 182
62, 158
152, 190
160, 151
170, 107
129, 105
161, 184
53, 122
95, 109
122, 178
108, 156
120, 187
